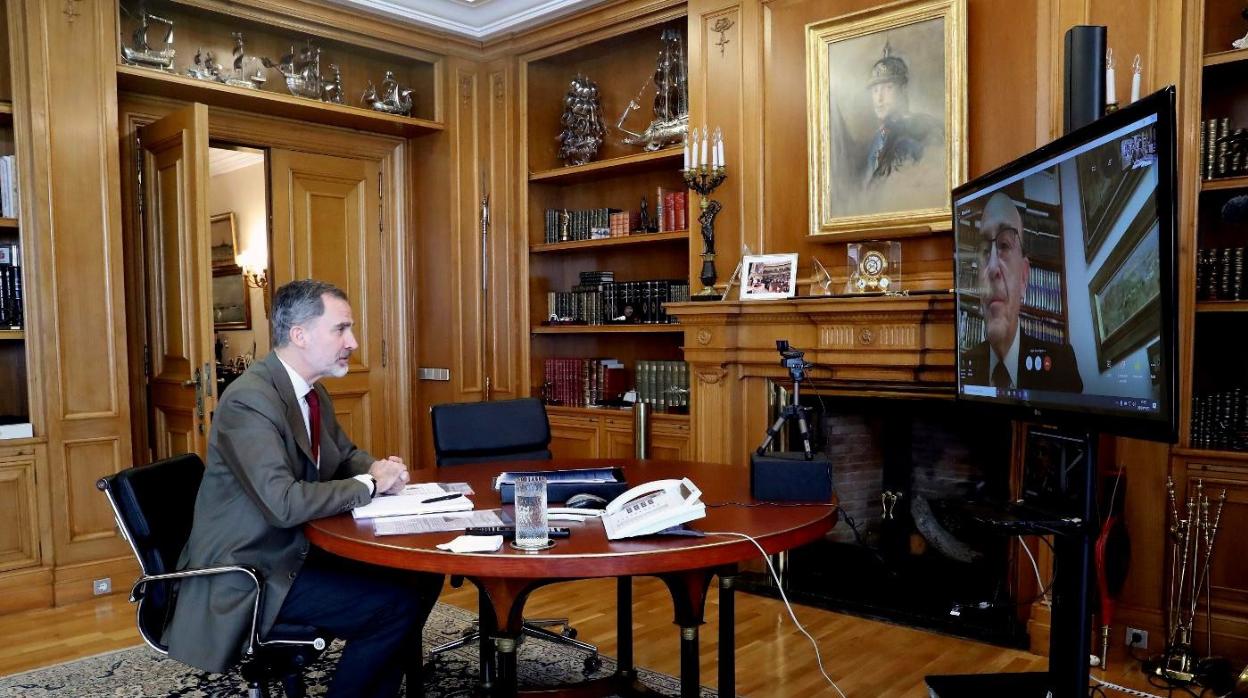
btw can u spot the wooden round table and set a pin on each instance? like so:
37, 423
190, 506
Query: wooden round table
685, 564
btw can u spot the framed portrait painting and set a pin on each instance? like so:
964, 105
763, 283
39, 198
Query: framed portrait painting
1126, 291
768, 276
886, 98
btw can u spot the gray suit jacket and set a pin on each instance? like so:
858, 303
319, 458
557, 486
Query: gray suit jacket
260, 486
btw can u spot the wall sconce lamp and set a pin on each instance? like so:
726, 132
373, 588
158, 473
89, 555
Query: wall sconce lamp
255, 278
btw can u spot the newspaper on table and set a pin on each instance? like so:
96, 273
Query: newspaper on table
435, 523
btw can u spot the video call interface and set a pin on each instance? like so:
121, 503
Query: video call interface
1059, 280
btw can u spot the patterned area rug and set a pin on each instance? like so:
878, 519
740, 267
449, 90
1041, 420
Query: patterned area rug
140, 672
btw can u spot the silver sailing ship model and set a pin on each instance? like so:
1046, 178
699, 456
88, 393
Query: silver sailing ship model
142, 53
671, 98
393, 97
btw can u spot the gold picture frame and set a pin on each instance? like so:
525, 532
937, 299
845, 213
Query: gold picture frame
887, 126
224, 237
1125, 292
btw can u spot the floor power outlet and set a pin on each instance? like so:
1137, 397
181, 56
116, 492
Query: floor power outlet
102, 586
1137, 638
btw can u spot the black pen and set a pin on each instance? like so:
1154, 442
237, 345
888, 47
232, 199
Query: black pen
443, 498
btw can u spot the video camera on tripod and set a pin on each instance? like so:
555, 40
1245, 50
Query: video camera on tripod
796, 476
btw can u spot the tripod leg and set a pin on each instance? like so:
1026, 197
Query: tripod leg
801, 427
771, 435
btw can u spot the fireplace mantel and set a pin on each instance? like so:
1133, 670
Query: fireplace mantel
881, 344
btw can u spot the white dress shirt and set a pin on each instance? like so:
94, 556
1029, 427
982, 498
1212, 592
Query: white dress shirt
1011, 361
302, 388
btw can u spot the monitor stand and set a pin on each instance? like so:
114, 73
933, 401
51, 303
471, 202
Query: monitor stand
1070, 629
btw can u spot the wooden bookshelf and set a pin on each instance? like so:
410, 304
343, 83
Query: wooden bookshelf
1211, 454
1224, 183
1225, 57
631, 240
606, 329
12, 335
158, 83
1222, 307
6, 111
668, 158
612, 412
8, 223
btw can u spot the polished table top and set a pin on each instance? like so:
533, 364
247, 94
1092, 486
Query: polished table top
588, 553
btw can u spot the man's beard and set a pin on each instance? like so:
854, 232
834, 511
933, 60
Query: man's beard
339, 370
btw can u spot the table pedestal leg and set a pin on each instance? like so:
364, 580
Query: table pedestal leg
727, 634
624, 626
507, 668
688, 591
487, 626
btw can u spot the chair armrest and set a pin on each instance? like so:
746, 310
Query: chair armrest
253, 639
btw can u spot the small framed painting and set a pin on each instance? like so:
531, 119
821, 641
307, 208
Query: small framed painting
768, 276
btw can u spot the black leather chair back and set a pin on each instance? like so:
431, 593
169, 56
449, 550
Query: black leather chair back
156, 505
474, 432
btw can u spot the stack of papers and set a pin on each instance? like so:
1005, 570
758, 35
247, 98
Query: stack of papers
576, 476
414, 499
473, 544
435, 523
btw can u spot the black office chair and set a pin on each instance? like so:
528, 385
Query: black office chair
154, 505
503, 430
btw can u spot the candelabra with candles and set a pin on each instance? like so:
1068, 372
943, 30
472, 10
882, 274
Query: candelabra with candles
704, 178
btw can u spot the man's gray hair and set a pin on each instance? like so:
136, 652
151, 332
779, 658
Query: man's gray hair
298, 302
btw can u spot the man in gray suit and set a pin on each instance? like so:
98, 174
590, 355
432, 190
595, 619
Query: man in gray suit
277, 458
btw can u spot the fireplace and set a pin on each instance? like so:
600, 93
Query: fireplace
901, 552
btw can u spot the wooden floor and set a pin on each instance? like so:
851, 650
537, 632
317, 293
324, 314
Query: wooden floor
866, 658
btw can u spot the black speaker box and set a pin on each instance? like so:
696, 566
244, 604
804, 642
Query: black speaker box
789, 477
1085, 76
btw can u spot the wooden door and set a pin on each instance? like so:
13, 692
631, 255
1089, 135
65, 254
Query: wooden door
179, 276
327, 226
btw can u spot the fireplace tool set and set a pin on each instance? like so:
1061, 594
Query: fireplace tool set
1193, 533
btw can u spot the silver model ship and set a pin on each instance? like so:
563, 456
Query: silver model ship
393, 98
671, 98
142, 53
302, 71
206, 67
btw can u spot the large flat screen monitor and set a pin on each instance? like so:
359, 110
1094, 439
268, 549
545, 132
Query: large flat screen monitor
1065, 278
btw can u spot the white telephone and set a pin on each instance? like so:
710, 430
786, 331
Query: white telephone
652, 507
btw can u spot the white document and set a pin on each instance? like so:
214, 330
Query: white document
473, 544
414, 501
435, 523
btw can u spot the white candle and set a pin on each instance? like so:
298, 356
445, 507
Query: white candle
720, 149
1109, 86
705, 155
686, 155
1135, 78
693, 160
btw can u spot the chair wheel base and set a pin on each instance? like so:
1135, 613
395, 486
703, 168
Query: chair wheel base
592, 663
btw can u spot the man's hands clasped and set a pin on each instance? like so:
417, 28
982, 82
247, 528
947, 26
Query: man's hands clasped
391, 475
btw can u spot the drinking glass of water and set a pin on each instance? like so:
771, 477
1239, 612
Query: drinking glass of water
531, 525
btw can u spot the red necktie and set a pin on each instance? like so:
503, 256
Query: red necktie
314, 423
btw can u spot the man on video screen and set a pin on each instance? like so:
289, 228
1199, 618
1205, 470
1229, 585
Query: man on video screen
1010, 358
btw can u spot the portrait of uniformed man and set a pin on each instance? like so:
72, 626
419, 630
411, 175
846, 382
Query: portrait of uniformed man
886, 131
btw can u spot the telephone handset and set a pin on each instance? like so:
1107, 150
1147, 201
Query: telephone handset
652, 507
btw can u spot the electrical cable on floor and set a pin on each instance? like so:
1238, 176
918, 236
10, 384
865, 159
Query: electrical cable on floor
789, 606
1039, 580
1124, 689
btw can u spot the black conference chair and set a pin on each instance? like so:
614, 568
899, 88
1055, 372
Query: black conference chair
504, 430
154, 505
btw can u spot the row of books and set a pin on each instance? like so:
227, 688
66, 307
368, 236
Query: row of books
572, 225
616, 302
10, 286
583, 382
1044, 290
1222, 149
8, 186
1220, 421
568, 225
1220, 274
664, 385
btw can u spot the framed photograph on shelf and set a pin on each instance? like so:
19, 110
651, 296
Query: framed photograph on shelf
1126, 291
224, 238
768, 276
887, 122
